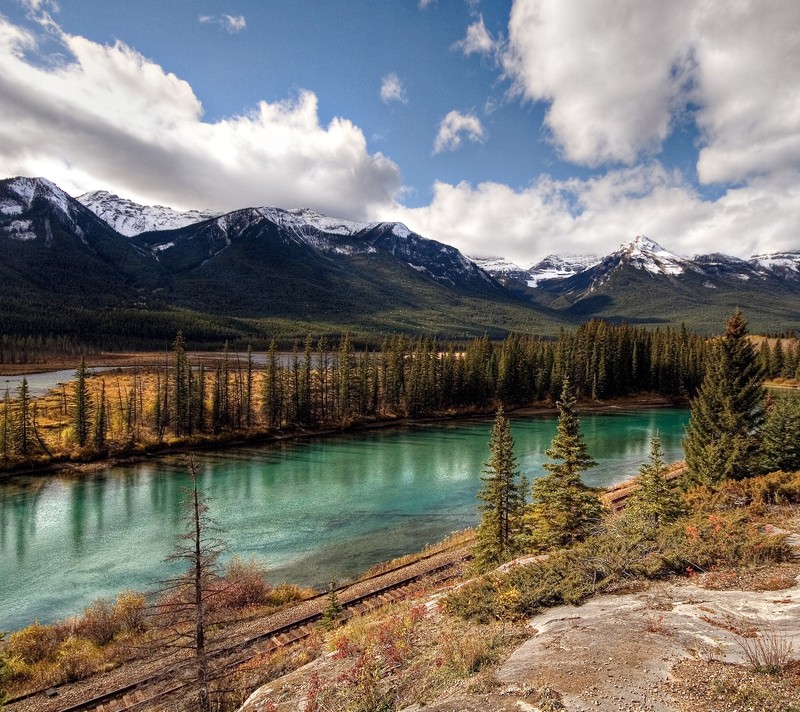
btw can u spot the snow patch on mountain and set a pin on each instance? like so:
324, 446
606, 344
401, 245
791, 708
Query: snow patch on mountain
19, 230
129, 218
780, 261
401, 230
645, 254
560, 267
498, 265
300, 219
27, 189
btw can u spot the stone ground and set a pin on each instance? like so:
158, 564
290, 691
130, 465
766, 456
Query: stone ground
675, 646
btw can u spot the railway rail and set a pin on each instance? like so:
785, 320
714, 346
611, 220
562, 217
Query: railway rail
151, 690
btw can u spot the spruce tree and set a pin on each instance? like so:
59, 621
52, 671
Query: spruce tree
722, 438
22, 424
81, 405
780, 436
332, 615
503, 494
563, 510
654, 501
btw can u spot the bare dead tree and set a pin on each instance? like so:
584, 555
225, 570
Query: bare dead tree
184, 600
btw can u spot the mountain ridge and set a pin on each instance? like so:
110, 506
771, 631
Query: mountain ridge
258, 269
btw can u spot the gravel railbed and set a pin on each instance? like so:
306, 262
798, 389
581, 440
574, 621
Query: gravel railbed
159, 664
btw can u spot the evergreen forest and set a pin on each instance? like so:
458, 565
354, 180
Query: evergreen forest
326, 383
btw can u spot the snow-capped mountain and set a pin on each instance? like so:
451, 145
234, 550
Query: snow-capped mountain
107, 260
129, 218
18, 197
154, 225
54, 247
559, 267
643, 253
500, 268
252, 263
784, 264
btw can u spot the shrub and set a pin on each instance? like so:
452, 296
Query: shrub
725, 539
285, 593
35, 643
628, 549
765, 648
244, 584
130, 611
77, 658
465, 652
99, 623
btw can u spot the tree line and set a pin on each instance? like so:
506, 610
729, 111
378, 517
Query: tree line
735, 431
324, 383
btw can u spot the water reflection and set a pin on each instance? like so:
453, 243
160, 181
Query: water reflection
315, 510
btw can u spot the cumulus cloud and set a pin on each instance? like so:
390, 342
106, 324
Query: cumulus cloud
232, 24
478, 40
595, 215
453, 127
392, 89
610, 75
110, 118
617, 75
748, 88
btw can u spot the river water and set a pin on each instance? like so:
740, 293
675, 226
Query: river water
313, 510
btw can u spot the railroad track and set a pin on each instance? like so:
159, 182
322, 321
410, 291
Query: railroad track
615, 497
151, 691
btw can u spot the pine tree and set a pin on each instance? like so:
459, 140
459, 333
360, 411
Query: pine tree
563, 510
181, 392
780, 441
22, 424
654, 500
101, 420
332, 614
722, 438
81, 405
5, 427
503, 494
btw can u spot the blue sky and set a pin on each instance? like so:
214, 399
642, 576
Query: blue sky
514, 127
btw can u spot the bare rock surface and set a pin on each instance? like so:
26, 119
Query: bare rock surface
616, 652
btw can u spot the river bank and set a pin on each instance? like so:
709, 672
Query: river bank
224, 441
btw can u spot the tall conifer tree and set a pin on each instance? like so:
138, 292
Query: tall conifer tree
563, 510
722, 438
81, 405
503, 494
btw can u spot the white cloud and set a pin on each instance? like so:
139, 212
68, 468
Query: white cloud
110, 118
425, 4
607, 72
748, 88
478, 40
392, 89
597, 214
616, 75
232, 24
453, 127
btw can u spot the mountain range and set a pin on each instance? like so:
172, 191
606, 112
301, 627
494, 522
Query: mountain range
103, 267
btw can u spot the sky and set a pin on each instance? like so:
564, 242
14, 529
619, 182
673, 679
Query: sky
513, 128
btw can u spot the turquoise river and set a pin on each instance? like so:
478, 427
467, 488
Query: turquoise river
313, 510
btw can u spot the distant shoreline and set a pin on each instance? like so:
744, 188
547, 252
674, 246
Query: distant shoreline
261, 438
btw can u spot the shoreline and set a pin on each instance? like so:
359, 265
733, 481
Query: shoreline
640, 402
